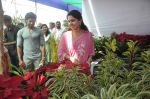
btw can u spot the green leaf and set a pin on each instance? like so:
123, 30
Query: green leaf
113, 45
139, 83
121, 97
126, 54
65, 96
111, 90
75, 94
55, 96
127, 94
107, 45
121, 89
143, 93
15, 73
17, 69
146, 76
89, 96
103, 94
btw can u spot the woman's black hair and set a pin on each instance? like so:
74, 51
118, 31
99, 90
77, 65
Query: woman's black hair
48, 32
30, 15
76, 14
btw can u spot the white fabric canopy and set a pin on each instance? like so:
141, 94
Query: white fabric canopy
130, 16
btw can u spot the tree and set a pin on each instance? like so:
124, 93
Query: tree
1, 19
4, 57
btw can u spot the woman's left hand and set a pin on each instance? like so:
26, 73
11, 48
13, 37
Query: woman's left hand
74, 60
43, 61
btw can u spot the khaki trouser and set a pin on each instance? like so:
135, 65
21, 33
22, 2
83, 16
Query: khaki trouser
32, 64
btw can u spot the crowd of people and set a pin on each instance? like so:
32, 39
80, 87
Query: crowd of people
29, 46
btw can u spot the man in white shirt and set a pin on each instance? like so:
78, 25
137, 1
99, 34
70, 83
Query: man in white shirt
58, 30
51, 27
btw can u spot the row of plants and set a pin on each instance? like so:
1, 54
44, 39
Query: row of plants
118, 76
126, 77
46, 82
123, 37
121, 43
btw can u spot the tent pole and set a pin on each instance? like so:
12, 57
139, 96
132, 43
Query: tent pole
35, 7
67, 7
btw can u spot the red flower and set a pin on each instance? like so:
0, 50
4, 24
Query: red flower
9, 87
84, 68
36, 85
11, 82
123, 37
52, 67
28, 75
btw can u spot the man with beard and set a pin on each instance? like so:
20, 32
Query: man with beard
30, 39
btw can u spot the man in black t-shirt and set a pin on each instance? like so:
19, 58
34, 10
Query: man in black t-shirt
10, 36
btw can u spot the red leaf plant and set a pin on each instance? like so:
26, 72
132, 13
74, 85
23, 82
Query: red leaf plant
84, 68
35, 85
9, 87
124, 37
30, 85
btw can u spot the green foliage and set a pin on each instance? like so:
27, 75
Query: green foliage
111, 45
117, 78
122, 92
55, 96
109, 68
109, 72
146, 56
99, 47
143, 84
69, 83
124, 78
104, 45
132, 48
144, 93
89, 96
115, 93
16, 20
131, 53
16, 70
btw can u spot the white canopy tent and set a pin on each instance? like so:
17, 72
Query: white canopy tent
106, 16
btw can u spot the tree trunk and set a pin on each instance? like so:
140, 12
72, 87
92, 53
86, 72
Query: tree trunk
1, 20
4, 57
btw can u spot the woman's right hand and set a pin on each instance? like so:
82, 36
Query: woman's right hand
74, 60
21, 64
